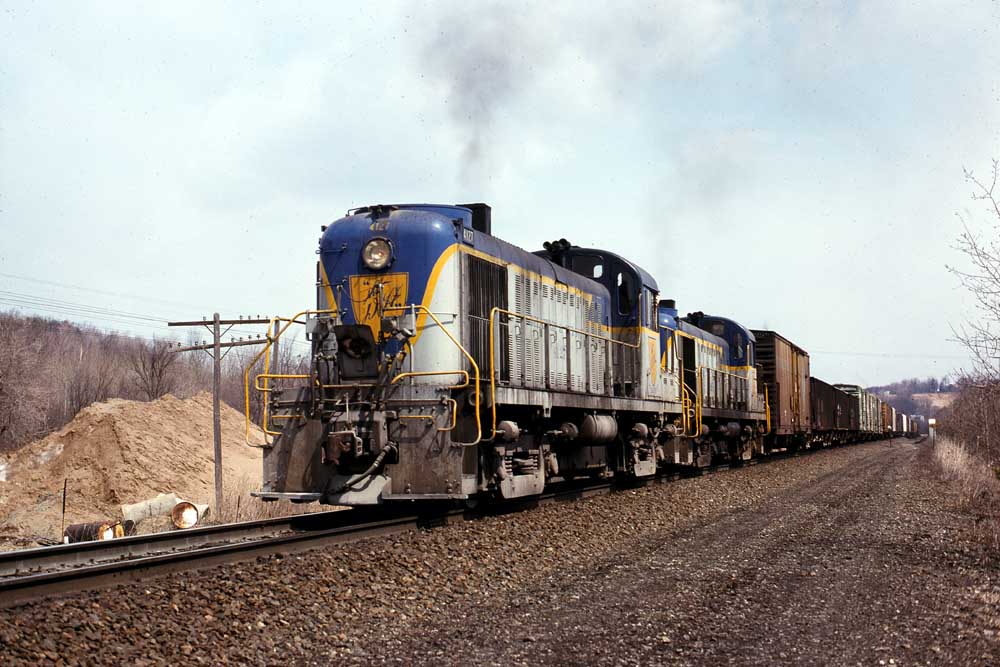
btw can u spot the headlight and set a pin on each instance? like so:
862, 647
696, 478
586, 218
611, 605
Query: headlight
377, 254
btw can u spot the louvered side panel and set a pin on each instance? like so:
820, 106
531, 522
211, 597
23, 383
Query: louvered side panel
486, 289
557, 358
534, 354
578, 362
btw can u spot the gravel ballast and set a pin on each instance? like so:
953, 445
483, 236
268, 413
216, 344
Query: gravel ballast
854, 555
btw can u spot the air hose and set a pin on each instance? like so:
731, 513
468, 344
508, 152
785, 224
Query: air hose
376, 464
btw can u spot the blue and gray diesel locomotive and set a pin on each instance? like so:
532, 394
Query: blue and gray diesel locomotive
449, 364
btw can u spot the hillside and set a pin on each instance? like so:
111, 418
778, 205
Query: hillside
935, 402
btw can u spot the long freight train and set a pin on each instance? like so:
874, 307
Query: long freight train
449, 364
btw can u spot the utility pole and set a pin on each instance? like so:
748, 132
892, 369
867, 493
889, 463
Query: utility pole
216, 411
216, 347
274, 346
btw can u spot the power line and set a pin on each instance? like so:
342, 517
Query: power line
61, 306
900, 355
63, 311
99, 313
30, 299
54, 283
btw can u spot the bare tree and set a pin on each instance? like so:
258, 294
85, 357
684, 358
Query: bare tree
92, 375
152, 368
22, 402
982, 279
974, 417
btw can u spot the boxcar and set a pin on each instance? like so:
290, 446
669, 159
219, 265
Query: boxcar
853, 414
888, 417
785, 377
834, 415
824, 406
869, 414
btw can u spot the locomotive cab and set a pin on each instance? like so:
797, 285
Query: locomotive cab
740, 340
633, 291
632, 312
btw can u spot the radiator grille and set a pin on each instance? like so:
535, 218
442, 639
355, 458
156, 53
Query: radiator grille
486, 289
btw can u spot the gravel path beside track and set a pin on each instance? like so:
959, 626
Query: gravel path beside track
847, 556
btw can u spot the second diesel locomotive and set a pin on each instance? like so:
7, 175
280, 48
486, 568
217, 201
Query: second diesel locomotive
449, 364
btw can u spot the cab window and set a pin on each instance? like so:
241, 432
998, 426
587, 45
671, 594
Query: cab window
591, 266
626, 293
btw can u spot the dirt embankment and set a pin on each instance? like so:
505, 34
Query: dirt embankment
121, 452
935, 401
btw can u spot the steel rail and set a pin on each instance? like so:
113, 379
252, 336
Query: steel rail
19, 589
47, 571
85, 553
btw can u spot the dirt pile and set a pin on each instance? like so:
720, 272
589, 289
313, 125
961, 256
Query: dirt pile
122, 452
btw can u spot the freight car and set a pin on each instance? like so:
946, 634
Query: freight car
902, 423
785, 375
833, 412
888, 418
869, 411
448, 364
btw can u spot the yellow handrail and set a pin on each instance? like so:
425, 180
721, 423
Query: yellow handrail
767, 409
685, 406
697, 399
274, 376
411, 374
492, 344
475, 366
454, 416
267, 364
266, 351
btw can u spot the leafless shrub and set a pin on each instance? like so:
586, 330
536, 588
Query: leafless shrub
973, 419
153, 368
978, 484
969, 451
90, 376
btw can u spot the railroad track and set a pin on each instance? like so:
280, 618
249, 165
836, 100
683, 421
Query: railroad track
30, 574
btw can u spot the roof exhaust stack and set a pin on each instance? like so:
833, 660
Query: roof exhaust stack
670, 306
481, 214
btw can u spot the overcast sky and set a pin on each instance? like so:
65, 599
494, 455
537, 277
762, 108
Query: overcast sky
794, 167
